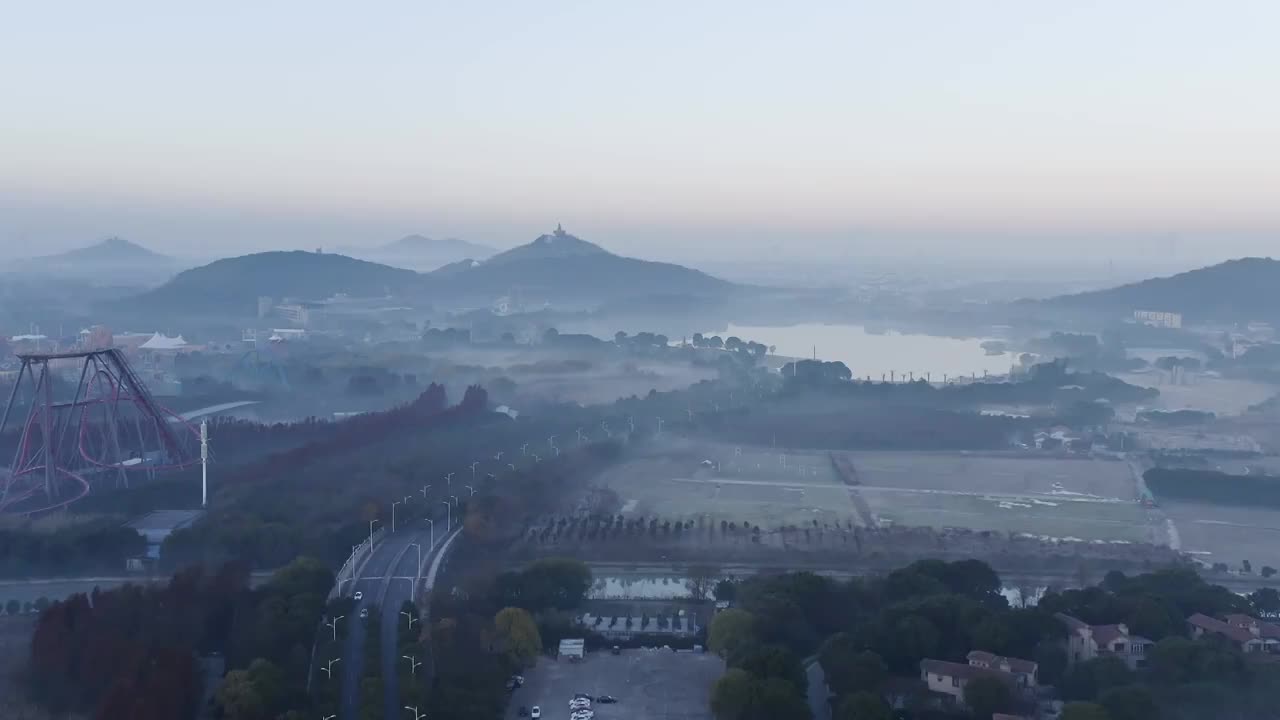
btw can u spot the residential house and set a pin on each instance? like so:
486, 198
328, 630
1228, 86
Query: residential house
1246, 632
1086, 642
1267, 631
1024, 670
949, 679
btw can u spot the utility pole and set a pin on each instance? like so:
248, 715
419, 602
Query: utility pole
204, 463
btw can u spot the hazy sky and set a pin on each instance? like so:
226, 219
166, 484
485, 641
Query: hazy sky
1116, 127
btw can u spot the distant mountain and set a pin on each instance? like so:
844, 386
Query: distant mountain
1233, 291
232, 286
563, 269
417, 252
111, 261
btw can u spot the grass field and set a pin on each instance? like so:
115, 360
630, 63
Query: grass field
747, 484
1085, 499
1218, 533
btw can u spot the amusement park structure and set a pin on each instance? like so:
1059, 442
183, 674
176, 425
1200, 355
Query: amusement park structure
95, 433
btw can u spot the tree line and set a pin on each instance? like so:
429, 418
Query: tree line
870, 635
144, 652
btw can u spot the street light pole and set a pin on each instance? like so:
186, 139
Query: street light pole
328, 669
425, 488
448, 521
419, 571
412, 620
371, 523
413, 664
433, 535
416, 714
394, 503
334, 626
448, 479
473, 490
474, 463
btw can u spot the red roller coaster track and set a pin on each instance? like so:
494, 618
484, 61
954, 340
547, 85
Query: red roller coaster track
110, 427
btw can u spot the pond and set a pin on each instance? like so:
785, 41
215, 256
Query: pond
874, 353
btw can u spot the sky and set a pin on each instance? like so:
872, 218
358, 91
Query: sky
1134, 130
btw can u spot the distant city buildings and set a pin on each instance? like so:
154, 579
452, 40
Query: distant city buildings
1158, 319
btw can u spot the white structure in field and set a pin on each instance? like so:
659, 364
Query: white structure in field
1156, 318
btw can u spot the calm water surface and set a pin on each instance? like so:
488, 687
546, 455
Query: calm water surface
875, 354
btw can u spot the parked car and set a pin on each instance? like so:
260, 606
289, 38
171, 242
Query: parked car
606, 699
358, 596
364, 613
582, 715
535, 713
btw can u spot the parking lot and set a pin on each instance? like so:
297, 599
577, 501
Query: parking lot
649, 685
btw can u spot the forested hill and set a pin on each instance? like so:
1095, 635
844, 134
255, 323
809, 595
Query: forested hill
233, 285
562, 268
1236, 290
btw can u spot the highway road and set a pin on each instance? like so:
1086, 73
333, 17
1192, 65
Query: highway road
386, 581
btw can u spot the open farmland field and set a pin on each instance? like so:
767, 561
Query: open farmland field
1091, 500
1220, 533
1054, 497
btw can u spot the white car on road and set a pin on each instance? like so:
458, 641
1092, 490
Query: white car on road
358, 596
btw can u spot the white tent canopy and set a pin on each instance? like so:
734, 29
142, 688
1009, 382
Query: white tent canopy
159, 341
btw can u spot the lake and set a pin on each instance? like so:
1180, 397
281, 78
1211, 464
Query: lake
875, 354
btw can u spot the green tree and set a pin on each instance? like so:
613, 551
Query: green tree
1084, 711
1129, 702
1089, 679
518, 635
778, 699
733, 694
702, 579
239, 698
269, 683
988, 695
730, 629
848, 669
726, 590
770, 661
1266, 601
13, 607
1051, 658
863, 706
